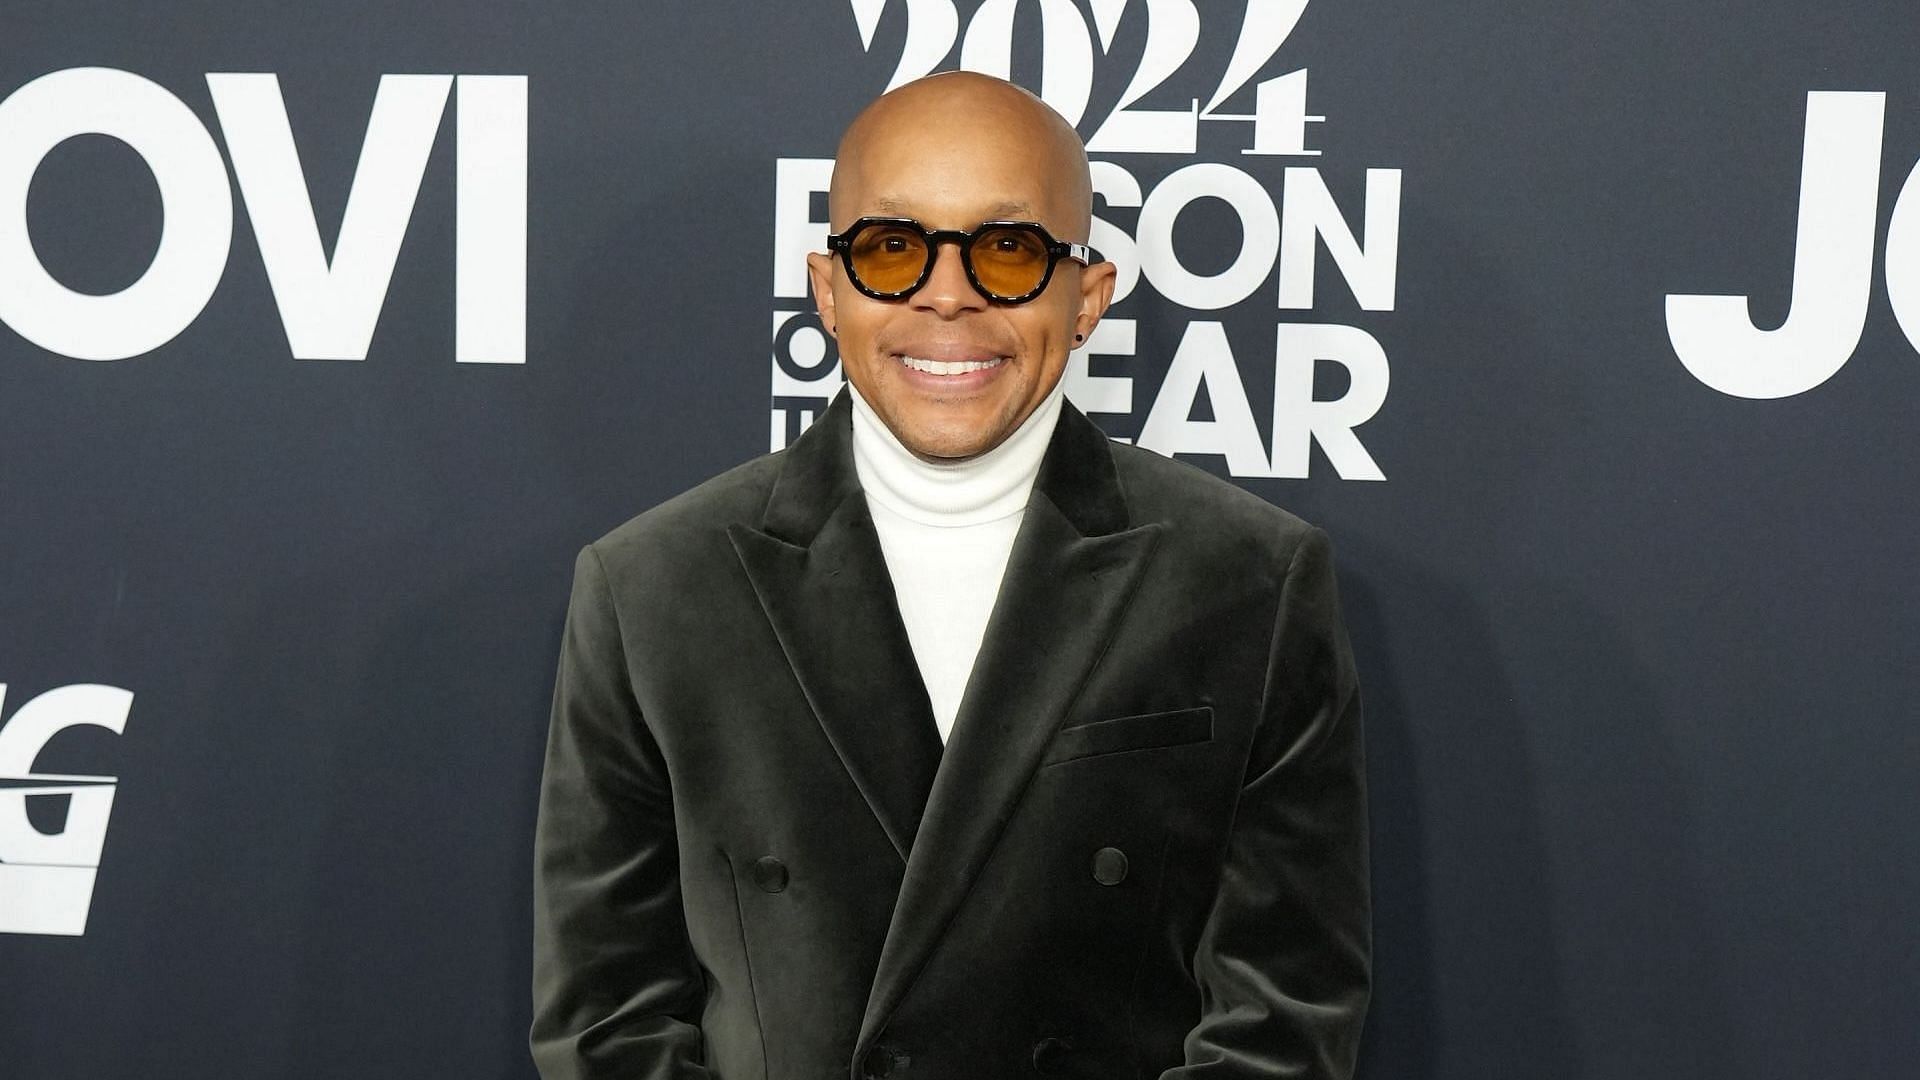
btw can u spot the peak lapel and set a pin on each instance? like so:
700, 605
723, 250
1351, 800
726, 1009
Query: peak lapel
1073, 567
817, 568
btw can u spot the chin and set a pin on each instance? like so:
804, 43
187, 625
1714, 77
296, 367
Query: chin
954, 449
949, 440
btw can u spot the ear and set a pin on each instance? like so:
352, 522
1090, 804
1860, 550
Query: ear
820, 275
1096, 292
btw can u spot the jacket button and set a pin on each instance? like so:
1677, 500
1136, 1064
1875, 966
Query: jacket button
882, 1061
769, 873
1109, 866
1050, 1053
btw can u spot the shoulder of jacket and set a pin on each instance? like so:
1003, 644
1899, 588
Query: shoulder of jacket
1183, 495
696, 518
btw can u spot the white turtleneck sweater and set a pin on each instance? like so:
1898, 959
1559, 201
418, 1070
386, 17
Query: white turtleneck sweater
946, 531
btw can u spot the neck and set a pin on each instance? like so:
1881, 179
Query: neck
982, 488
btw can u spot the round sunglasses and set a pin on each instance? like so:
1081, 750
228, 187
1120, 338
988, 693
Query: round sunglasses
1009, 262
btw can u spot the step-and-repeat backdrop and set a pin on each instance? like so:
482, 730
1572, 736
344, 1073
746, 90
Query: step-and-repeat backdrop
332, 331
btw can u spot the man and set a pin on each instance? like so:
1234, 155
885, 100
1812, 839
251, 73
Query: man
954, 741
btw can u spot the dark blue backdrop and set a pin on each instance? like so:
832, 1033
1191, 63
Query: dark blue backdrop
1637, 654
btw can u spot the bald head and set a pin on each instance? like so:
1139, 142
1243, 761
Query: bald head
950, 369
969, 129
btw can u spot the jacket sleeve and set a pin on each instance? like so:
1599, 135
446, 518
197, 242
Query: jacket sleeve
617, 991
1284, 959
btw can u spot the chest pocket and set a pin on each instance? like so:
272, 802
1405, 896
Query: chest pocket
1146, 731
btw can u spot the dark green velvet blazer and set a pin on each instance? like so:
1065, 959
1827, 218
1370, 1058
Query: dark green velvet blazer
1142, 852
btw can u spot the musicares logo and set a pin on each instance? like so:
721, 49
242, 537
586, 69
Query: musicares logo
1284, 222
47, 879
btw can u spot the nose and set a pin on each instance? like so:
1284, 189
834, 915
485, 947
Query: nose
947, 292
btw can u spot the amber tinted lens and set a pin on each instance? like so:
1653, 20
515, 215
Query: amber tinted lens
1009, 262
888, 258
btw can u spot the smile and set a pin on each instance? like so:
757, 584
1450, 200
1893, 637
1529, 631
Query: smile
950, 367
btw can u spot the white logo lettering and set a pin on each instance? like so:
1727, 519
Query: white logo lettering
46, 880
328, 308
1715, 337
1281, 229
196, 231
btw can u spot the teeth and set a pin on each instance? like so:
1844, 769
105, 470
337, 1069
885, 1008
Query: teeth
949, 367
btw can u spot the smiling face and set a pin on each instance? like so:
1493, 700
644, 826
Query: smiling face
950, 372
